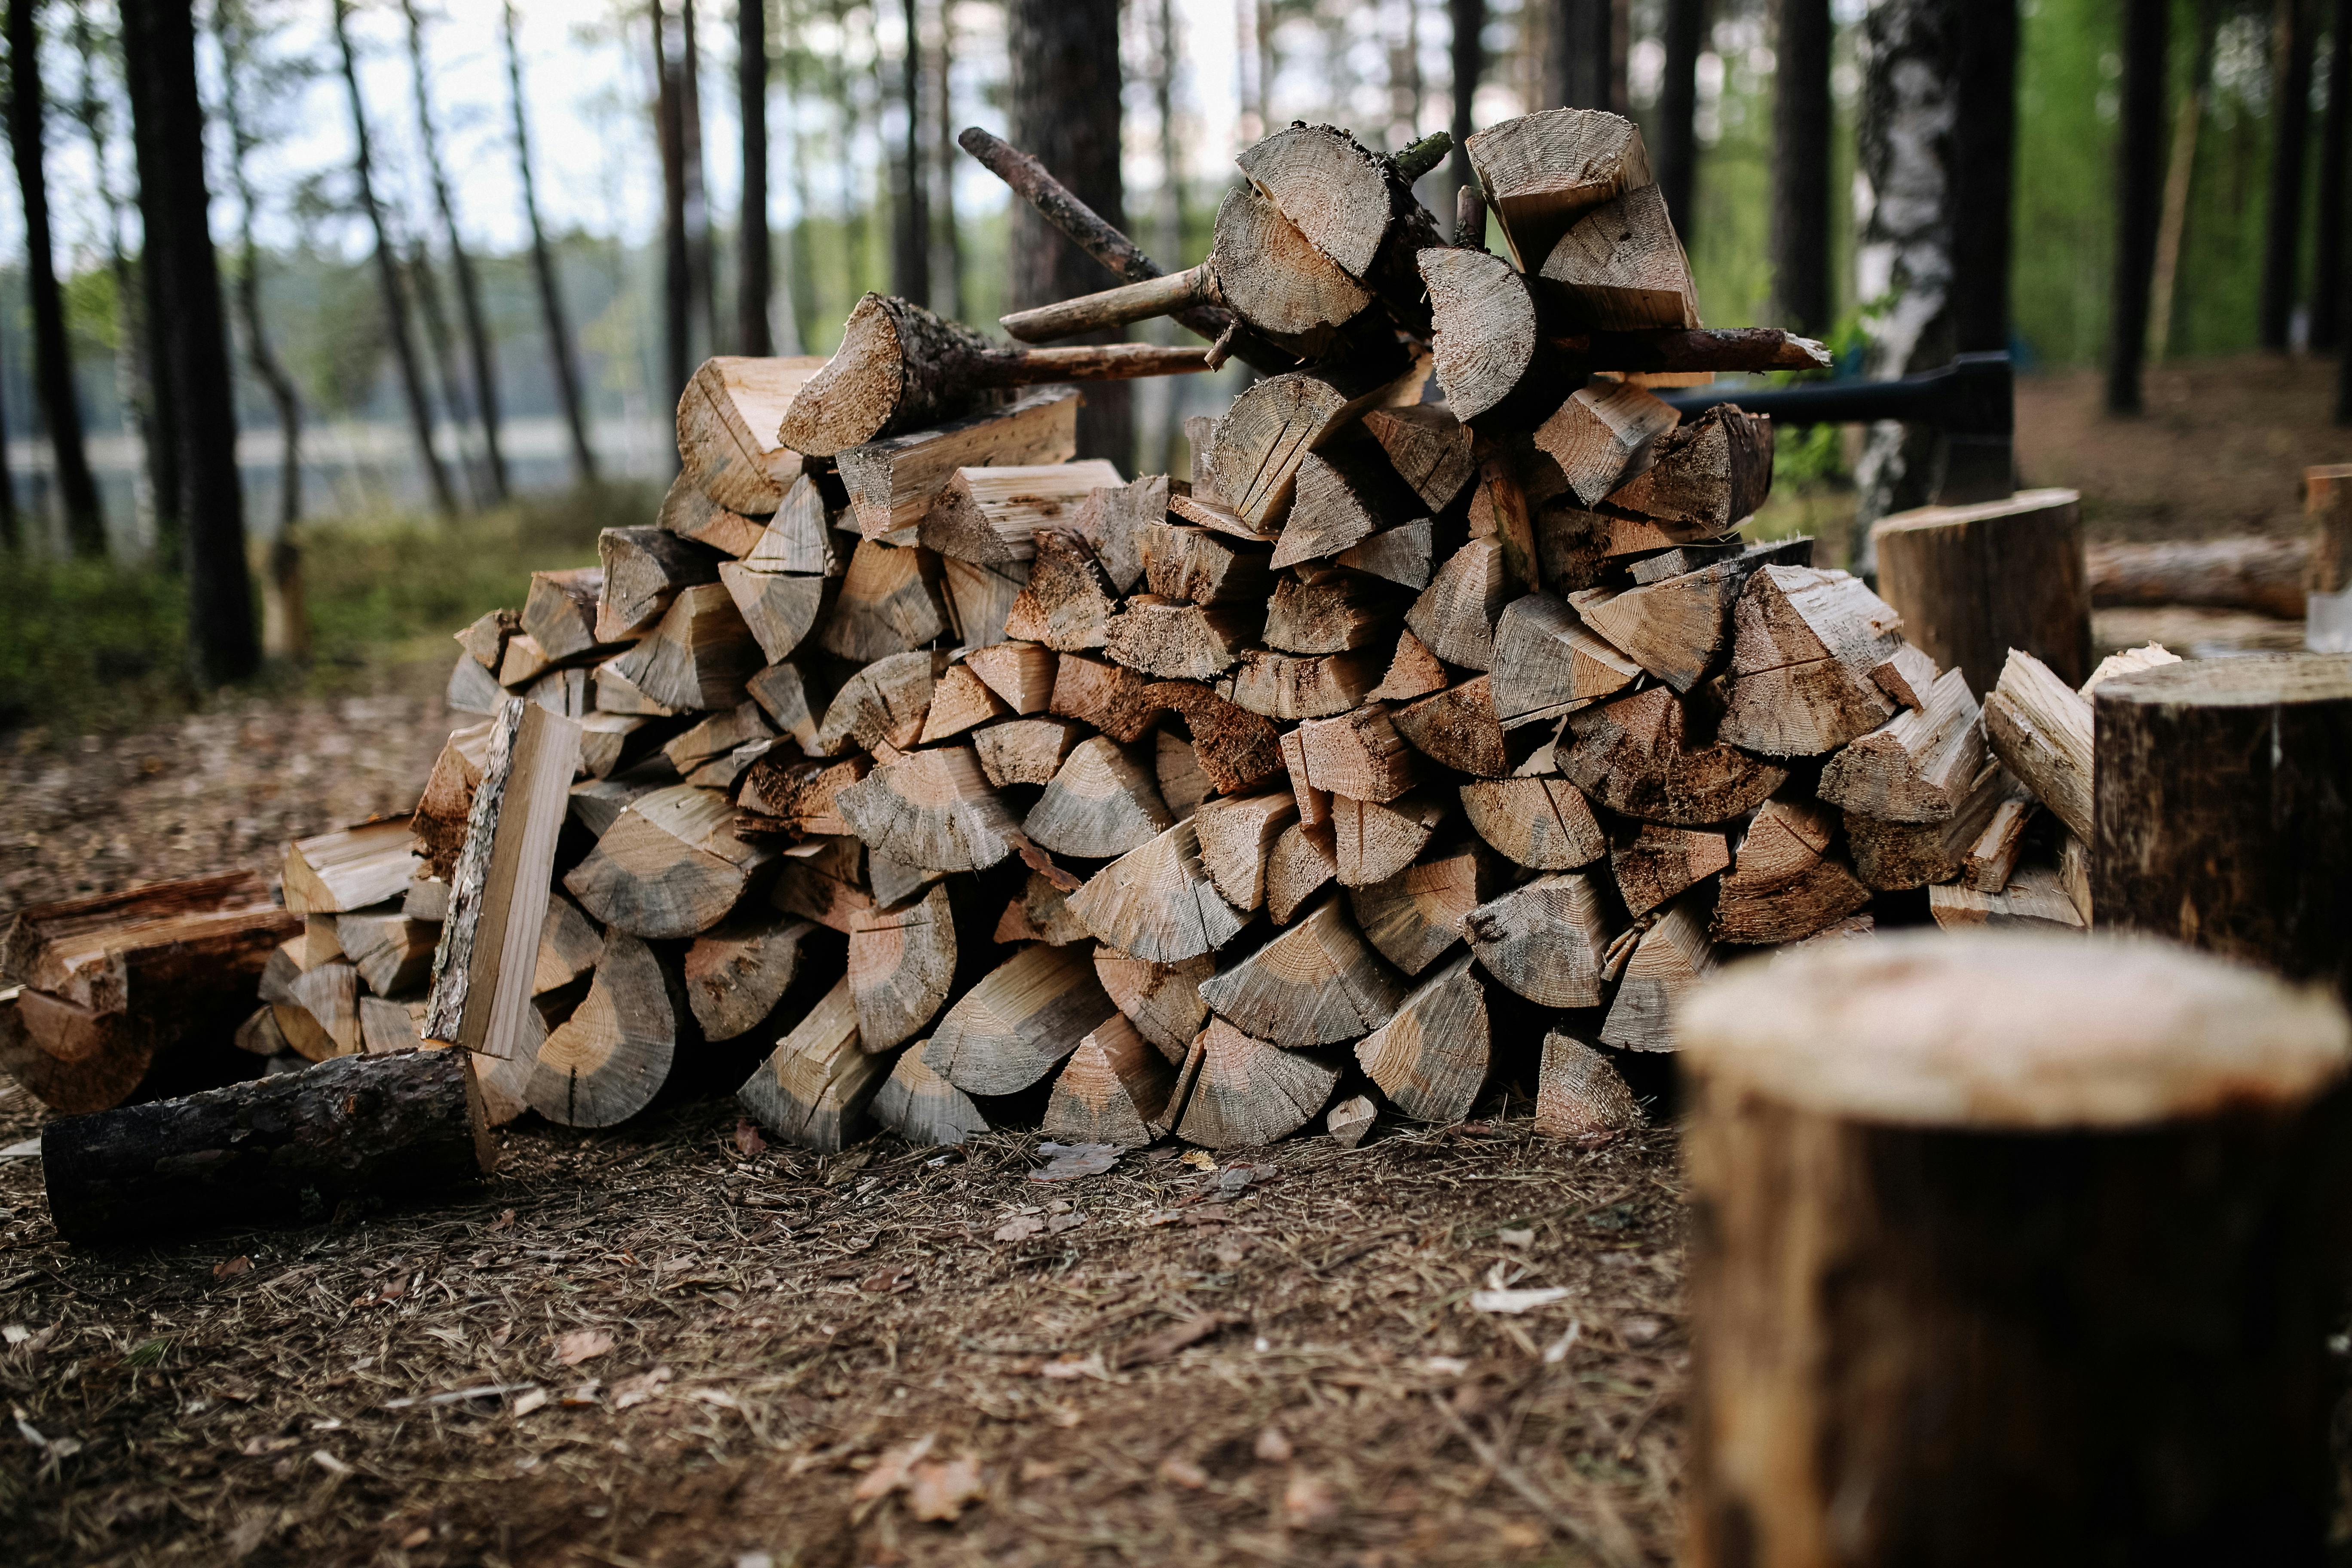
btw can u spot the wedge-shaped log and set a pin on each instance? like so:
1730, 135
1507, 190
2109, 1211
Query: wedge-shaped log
1547, 663
1413, 671
1892, 856
1579, 1094
780, 608
1335, 612
1025, 750
570, 943
644, 570
727, 418
1317, 983
1114, 519
1017, 1024
1236, 748
486, 638
1407, 556
1671, 960
1603, 436
1020, 673
1303, 858
823, 881
1916, 767
353, 869
931, 808
894, 481
1292, 685
1041, 913
1359, 754
559, 616
1457, 728
688, 513
1428, 447
814, 1088
393, 953
1374, 840
902, 961
1258, 444
799, 538
1110, 696
1242, 1093
1176, 641
1235, 836
960, 702
670, 865
890, 602
1787, 884
2040, 728
606, 1062
700, 654
1455, 615
1200, 566
1101, 803
1431, 1058
885, 702
1414, 916
1679, 628
1659, 863
1543, 824
1067, 603
1157, 902
1812, 660
1635, 756
615, 693
923, 1107
736, 975
715, 736
2036, 898
992, 514
1182, 786
1343, 495
1621, 266
1542, 172
1161, 1000
1115, 1088
1704, 477
980, 597
1545, 939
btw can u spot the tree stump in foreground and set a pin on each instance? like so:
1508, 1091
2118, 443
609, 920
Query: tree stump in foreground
2223, 804
2012, 1249
1973, 582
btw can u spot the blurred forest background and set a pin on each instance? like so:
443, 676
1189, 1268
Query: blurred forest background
379, 171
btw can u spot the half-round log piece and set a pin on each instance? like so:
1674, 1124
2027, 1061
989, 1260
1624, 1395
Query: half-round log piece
736, 975
1579, 1094
1114, 1088
1428, 447
698, 656
1025, 1014
1431, 1058
1547, 663
779, 606
1807, 657
644, 568
1633, 756
1623, 269
1487, 329
727, 420
890, 602
1247, 1093
1178, 641
1101, 803
886, 701
1455, 615
959, 702
1344, 197
931, 808
1274, 277
1301, 861
1415, 916
1236, 837
1157, 903
902, 962
670, 865
1020, 673
1316, 985
814, 1088
607, 1061
1601, 436
1657, 863
1161, 1000
923, 1107
1787, 885
1286, 687
1704, 479
1543, 824
1258, 444
1374, 840
1545, 939
1542, 172
1956, 1197
1672, 958
1457, 728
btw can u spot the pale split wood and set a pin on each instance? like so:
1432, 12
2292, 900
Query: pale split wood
728, 444
1542, 172
1018, 1022
1805, 652
923, 1107
1489, 331
1916, 767
823, 881
1258, 444
698, 656
1200, 566
1892, 856
980, 597
893, 481
1161, 1000
1547, 662
1414, 918
607, 1061
1303, 858
1317, 983
1579, 1094
1412, 671
1621, 266
992, 514
1235, 836
393, 953
883, 704
472, 688
1067, 602
1544, 939
1787, 883
615, 693
1603, 436
1351, 1118
1173, 640
615, 742
559, 614
715, 736
2036, 898
1236, 749
1679, 627
1992, 858
1287, 687
902, 964
385, 1025
670, 865
1374, 840
1176, 764
816, 1088
570, 943
1457, 728
1430, 1060
1342, 495
1335, 612
1358, 754
351, 868
1113, 699
323, 1018
2129, 661
1543, 824
2040, 728
780, 608
1246, 1093
888, 603
1406, 556
1101, 803
1428, 447
1156, 902
691, 514
933, 808
960, 702
1020, 673
1114, 521
1114, 1088
799, 537
486, 638
1673, 958
1455, 615
735, 974
1041, 913
1025, 750
803, 796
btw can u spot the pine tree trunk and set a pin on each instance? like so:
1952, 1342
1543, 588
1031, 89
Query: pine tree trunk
2172, 230
1064, 110
479, 349
9, 540
542, 266
801, 280
755, 275
1984, 153
697, 188
1583, 48
53, 375
159, 49
2139, 177
910, 217
134, 380
1801, 121
1468, 18
947, 262
2335, 155
678, 259
417, 268
1674, 154
387, 271
2290, 131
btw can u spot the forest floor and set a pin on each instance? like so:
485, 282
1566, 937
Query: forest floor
699, 1350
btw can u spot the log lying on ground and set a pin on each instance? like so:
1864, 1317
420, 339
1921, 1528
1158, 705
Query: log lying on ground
1115, 1088
1318, 984
1242, 1093
1579, 1094
1431, 1058
902, 964
671, 866
281, 1150
606, 1062
1015, 1026
1787, 885
2040, 729
814, 1088
727, 440
1157, 902
1633, 756
923, 1107
1545, 939
1414, 916
150, 949
1807, 659
1672, 958
1543, 824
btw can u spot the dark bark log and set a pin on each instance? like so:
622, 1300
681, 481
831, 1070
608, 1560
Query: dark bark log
1802, 118
2291, 55
754, 272
2139, 195
1972, 583
678, 259
1469, 57
1583, 46
542, 265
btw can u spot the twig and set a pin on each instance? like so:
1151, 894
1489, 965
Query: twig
1519, 1481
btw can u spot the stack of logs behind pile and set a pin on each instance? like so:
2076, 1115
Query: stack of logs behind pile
964, 782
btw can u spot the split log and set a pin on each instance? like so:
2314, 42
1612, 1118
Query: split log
486, 638
320, 1015
570, 943
933, 808
692, 515
1235, 836
924, 1108
1316, 985
902, 962
1157, 902
1787, 885
960, 702
2219, 810
1490, 328
1183, 561
824, 880
1898, 1149
1161, 1000
1354, 206
1337, 612
1805, 656
644, 570
1603, 436
1115, 1088
609, 744
698, 657
883, 704
1343, 495
1244, 1093
736, 973
280, 1150
1110, 696
152, 950
1020, 673
1455, 615
1415, 917
1177, 641
1183, 785
1428, 447
559, 616
1101, 803
1258, 444
472, 688
1543, 824
1413, 671
353, 869
1621, 266
2040, 728
1635, 756
1545, 939
1067, 602
779, 607
1374, 840
670, 865
498, 889
393, 953
385, 1027
1017, 1024
799, 537
715, 736
980, 597
1579, 1094
1973, 582
1458, 729
1431, 1058
1236, 748
894, 480
727, 418
901, 368
615, 693
1041, 913
1891, 855
1918, 766
1114, 521
1352, 1117
992, 514
2129, 661
1358, 754
567, 693
890, 602
1542, 172
2036, 898
594, 804
1293, 685
1671, 960
1660, 863
1992, 858
1704, 477
1303, 858
1407, 556
606, 1062
803, 795
438, 827
814, 1090
1204, 510
1025, 750
1680, 627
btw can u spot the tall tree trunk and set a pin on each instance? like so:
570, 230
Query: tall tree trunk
1066, 110
1910, 57
1467, 49
480, 351
53, 373
2139, 182
416, 266
133, 378
2335, 155
1984, 155
910, 217
286, 623
677, 255
1583, 48
1168, 224
2172, 229
2290, 130
755, 276
802, 281
1674, 155
543, 264
159, 52
947, 258
387, 273
697, 188
1801, 121
11, 540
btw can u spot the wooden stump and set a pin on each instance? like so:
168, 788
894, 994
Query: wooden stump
1973, 582
2221, 809
2008, 1250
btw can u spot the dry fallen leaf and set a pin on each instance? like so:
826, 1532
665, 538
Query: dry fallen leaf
748, 1139
938, 1492
1199, 1159
1068, 1161
637, 1390
1076, 1367
1273, 1447
1308, 1501
582, 1344
529, 1400
889, 1471
1020, 1228
232, 1268
1182, 1472
504, 1222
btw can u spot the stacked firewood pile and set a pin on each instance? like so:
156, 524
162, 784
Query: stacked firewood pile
964, 782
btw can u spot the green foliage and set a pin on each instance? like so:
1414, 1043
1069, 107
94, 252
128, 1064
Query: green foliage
91, 646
